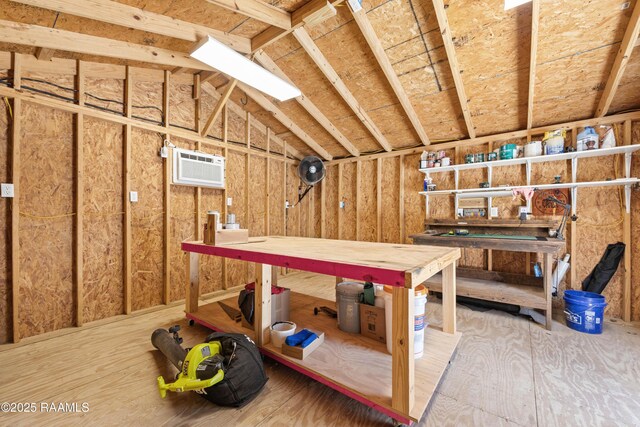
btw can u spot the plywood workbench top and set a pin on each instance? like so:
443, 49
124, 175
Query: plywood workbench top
386, 263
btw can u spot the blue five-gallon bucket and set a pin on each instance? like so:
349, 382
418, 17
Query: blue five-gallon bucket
584, 311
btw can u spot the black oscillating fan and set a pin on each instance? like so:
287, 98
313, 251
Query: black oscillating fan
311, 171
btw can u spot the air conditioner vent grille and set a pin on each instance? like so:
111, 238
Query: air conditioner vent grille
198, 169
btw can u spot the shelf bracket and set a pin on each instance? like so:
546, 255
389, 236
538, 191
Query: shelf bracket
456, 176
574, 200
627, 198
528, 171
489, 174
574, 170
627, 164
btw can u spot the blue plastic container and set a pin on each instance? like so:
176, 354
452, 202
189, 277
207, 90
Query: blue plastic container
584, 311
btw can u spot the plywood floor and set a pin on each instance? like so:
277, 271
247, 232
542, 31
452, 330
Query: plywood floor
507, 371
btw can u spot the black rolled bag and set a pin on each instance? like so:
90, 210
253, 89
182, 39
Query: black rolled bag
604, 270
244, 375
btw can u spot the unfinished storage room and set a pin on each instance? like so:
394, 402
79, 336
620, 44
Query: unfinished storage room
319, 212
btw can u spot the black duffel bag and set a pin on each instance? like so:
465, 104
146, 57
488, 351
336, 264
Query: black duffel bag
244, 375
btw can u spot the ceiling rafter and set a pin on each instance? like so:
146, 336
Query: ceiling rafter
622, 59
535, 21
372, 39
35, 36
311, 13
443, 23
259, 10
265, 103
219, 106
314, 52
127, 16
308, 105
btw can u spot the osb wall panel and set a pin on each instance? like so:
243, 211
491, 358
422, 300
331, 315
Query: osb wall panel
207, 105
257, 196
235, 182
368, 204
103, 263
146, 220
5, 231
304, 214
211, 199
182, 106
53, 85
316, 227
635, 231
258, 139
110, 91
414, 206
182, 227
600, 213
442, 206
420, 63
332, 200
236, 128
301, 69
46, 250
276, 198
390, 200
573, 65
146, 101
293, 213
628, 93
348, 195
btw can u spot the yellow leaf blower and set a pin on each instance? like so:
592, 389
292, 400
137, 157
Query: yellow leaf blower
200, 367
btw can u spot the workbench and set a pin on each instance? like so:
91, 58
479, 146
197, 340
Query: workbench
356, 366
489, 286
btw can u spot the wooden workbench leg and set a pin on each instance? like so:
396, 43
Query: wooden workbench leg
548, 287
402, 358
274, 275
449, 299
262, 317
193, 282
339, 280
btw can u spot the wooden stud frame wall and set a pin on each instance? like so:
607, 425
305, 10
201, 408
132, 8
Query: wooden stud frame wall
80, 71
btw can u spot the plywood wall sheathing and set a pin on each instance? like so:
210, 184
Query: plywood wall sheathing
368, 214
348, 196
5, 229
103, 227
46, 223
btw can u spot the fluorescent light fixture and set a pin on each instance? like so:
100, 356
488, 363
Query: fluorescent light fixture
228, 61
510, 4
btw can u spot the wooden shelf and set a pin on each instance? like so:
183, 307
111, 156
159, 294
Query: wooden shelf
537, 159
507, 189
489, 290
350, 363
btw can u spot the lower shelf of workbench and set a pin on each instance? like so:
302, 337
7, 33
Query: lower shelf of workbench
349, 363
491, 290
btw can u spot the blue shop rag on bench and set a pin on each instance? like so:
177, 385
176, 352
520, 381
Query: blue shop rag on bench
302, 338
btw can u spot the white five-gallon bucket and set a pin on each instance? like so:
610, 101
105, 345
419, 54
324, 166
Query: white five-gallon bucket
419, 313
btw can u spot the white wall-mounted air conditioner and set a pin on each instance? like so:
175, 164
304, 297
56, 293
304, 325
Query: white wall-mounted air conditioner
197, 169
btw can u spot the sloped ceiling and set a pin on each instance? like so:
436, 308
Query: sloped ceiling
578, 42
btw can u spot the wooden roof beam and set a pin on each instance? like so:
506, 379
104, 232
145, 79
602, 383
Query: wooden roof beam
314, 52
535, 20
309, 106
262, 100
127, 16
620, 63
44, 54
258, 10
314, 12
218, 108
35, 36
443, 23
376, 47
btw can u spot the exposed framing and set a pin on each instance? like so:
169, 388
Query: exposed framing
443, 23
376, 47
620, 63
314, 52
535, 21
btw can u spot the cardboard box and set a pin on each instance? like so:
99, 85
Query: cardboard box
372, 324
301, 353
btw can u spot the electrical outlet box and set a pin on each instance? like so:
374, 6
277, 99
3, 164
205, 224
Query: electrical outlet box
133, 196
494, 212
164, 152
460, 212
7, 189
286, 204
342, 204
229, 201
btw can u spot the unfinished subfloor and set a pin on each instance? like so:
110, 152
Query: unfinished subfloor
507, 370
